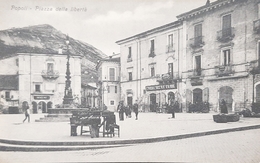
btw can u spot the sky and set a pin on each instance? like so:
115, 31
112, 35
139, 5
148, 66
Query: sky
98, 22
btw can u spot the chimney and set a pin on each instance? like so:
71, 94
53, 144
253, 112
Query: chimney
60, 51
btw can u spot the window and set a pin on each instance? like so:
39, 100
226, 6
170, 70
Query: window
129, 52
115, 89
226, 25
50, 67
258, 6
111, 74
7, 95
258, 53
226, 57
37, 88
197, 34
197, 68
151, 49
152, 72
130, 76
170, 69
112, 102
170, 40
170, 43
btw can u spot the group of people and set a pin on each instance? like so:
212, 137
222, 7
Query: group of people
127, 110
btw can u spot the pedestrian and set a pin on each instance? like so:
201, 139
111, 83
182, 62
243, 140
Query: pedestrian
135, 108
130, 110
223, 107
126, 111
172, 106
120, 109
27, 114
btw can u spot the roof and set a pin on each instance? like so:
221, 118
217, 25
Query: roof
88, 86
9, 82
110, 59
152, 31
206, 8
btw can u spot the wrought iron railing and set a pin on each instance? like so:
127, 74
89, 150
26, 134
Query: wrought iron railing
226, 34
224, 70
196, 42
50, 74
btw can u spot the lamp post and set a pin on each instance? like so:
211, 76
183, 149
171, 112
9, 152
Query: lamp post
68, 91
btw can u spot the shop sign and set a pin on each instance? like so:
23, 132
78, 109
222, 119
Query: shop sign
41, 97
160, 87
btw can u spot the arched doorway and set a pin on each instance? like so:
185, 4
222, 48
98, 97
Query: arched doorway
226, 94
153, 102
129, 99
42, 107
171, 97
197, 96
34, 107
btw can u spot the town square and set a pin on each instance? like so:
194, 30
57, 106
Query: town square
130, 81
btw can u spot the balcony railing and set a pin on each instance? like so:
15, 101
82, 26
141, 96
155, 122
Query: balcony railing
196, 42
224, 70
225, 35
170, 48
196, 73
257, 26
50, 74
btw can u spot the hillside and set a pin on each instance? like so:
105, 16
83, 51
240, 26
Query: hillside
46, 39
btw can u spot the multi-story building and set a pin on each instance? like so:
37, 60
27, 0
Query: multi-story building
212, 53
222, 45
109, 83
38, 79
151, 66
89, 95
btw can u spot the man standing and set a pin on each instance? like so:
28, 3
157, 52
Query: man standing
27, 114
135, 108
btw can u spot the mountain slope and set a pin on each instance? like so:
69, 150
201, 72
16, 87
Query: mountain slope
46, 39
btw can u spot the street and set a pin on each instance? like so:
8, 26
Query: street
236, 147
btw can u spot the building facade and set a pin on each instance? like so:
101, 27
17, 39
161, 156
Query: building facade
109, 83
89, 95
41, 79
222, 46
151, 67
211, 53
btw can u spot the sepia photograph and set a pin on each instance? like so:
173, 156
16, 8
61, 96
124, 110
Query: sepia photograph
130, 81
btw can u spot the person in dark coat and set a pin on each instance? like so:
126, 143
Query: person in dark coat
120, 109
223, 107
172, 107
135, 108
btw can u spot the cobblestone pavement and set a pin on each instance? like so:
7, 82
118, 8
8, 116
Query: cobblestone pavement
149, 125
234, 147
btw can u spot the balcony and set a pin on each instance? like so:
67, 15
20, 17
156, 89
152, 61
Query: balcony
196, 73
170, 48
196, 42
50, 74
224, 70
167, 78
257, 26
226, 35
195, 77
